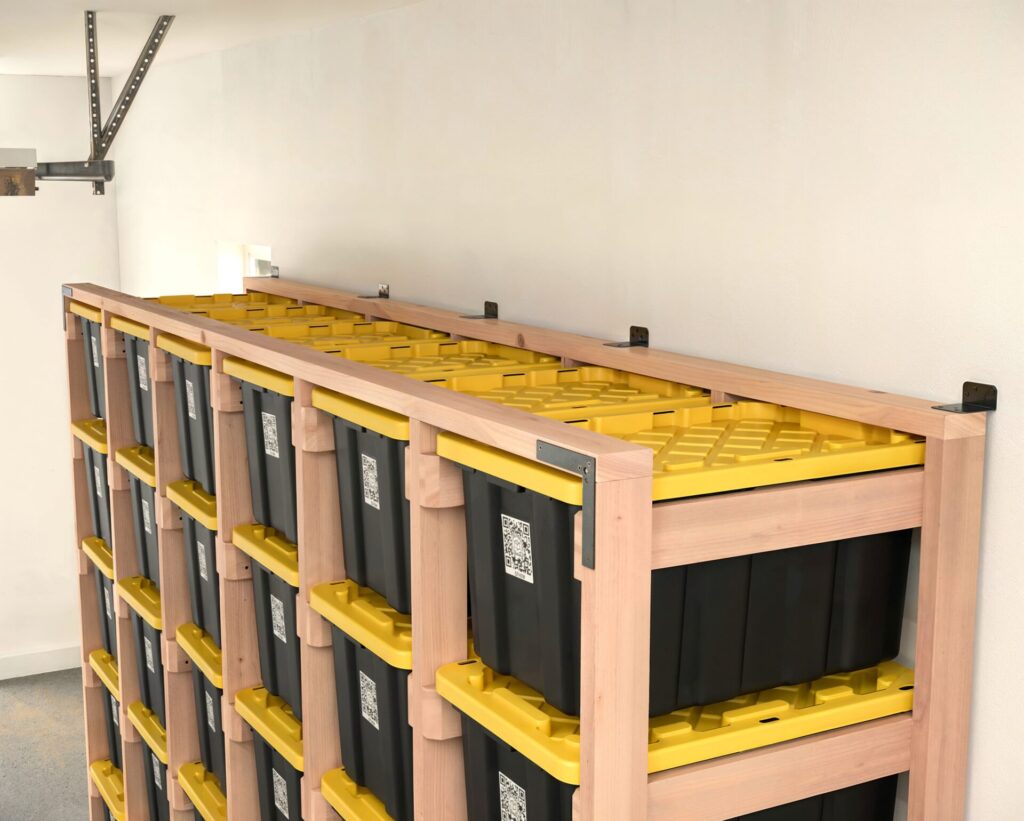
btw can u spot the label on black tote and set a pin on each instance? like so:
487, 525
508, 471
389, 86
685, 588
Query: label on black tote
147, 518
368, 699
512, 797
113, 712
190, 398
277, 618
156, 772
95, 352
143, 375
280, 793
201, 558
211, 717
96, 477
515, 542
270, 435
150, 663
371, 484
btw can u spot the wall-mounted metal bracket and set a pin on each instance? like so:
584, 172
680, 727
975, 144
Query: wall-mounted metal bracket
383, 292
265, 268
639, 337
490, 312
586, 468
977, 398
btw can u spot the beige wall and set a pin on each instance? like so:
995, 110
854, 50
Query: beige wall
830, 188
64, 234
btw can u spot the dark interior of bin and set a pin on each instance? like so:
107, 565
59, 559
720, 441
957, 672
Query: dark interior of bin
151, 666
112, 720
144, 523
718, 629
99, 492
277, 783
268, 440
203, 579
374, 511
276, 632
140, 395
211, 733
195, 421
156, 787
94, 366
373, 716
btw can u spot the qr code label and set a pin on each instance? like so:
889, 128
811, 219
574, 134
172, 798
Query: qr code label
157, 777
280, 793
211, 717
106, 602
150, 663
515, 541
143, 373
512, 797
147, 517
368, 699
371, 485
96, 478
201, 557
270, 435
190, 398
95, 352
113, 712
277, 618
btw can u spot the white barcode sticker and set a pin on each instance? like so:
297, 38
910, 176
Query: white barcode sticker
371, 485
368, 699
270, 435
95, 351
147, 517
277, 618
106, 601
157, 777
143, 374
512, 798
211, 717
280, 793
96, 478
201, 556
150, 663
515, 542
113, 712
190, 398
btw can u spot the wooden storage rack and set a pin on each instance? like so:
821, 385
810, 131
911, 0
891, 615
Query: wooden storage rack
633, 537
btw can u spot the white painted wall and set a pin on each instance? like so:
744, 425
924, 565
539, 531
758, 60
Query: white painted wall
832, 189
64, 234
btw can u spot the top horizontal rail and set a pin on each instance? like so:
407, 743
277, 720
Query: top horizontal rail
905, 413
492, 424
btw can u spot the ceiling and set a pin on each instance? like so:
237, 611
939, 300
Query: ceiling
46, 36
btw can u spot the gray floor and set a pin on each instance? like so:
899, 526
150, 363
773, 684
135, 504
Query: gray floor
42, 748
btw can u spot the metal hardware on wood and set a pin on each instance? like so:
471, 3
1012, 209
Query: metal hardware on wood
490, 312
586, 468
639, 337
977, 398
383, 292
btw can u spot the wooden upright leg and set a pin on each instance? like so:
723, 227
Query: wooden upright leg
945, 627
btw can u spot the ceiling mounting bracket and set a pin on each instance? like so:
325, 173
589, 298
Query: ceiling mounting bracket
490, 312
639, 337
586, 468
977, 397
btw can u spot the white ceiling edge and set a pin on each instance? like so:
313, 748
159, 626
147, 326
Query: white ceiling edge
46, 37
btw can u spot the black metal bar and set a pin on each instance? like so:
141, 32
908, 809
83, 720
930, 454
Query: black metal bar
92, 74
490, 312
977, 397
639, 337
586, 468
87, 171
132, 85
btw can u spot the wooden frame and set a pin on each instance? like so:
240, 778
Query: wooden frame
633, 536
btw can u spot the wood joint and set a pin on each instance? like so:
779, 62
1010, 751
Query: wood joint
168, 517
312, 430
432, 482
435, 718
235, 728
232, 563
315, 630
175, 659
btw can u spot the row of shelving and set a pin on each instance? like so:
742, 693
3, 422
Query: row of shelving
280, 520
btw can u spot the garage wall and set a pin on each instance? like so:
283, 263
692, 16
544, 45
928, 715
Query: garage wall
64, 234
834, 190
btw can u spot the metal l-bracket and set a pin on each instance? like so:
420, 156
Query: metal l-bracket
977, 398
639, 337
490, 312
586, 468
383, 292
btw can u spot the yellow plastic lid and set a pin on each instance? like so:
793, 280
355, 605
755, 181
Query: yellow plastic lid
196, 502
436, 360
349, 331
197, 300
143, 596
86, 311
713, 449
204, 790
105, 667
139, 461
520, 717
274, 720
260, 376
199, 646
152, 731
385, 422
101, 555
270, 549
130, 327
367, 618
110, 784
349, 800
92, 432
185, 349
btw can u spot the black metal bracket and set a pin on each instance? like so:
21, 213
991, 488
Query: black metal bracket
490, 312
383, 292
977, 398
586, 468
94, 171
639, 337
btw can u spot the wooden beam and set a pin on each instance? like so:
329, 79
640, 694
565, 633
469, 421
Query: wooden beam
773, 518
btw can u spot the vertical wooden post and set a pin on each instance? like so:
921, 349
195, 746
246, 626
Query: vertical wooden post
945, 627
615, 644
321, 559
239, 650
439, 624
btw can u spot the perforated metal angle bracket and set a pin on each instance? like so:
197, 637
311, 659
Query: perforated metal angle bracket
586, 468
977, 398
383, 292
490, 312
639, 337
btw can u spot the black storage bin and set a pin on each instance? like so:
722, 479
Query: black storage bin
871, 801
144, 521
156, 787
199, 518
277, 782
373, 716
107, 613
96, 478
277, 742
151, 666
208, 719
93, 352
374, 510
136, 349
718, 629
113, 719
190, 367
276, 630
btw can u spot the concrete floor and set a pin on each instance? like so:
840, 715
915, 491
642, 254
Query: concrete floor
42, 748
